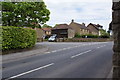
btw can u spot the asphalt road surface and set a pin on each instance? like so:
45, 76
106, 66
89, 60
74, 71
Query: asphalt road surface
64, 60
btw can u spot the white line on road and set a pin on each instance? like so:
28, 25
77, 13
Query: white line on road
98, 47
47, 52
30, 71
81, 54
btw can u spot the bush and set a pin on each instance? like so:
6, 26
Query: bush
78, 36
17, 38
87, 35
92, 36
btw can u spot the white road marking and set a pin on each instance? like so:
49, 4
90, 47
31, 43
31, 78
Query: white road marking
74, 47
101, 46
47, 52
81, 53
54, 51
30, 71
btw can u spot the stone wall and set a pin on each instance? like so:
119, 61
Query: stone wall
116, 33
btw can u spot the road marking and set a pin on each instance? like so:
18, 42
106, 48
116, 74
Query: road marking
30, 71
98, 47
47, 52
54, 51
81, 53
73, 47
101, 46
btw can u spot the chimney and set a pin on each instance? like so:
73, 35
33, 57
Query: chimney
72, 20
83, 24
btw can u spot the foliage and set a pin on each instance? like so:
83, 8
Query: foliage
46, 26
17, 38
29, 14
78, 36
92, 36
56, 25
86, 36
104, 34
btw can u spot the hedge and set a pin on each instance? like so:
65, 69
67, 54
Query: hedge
17, 38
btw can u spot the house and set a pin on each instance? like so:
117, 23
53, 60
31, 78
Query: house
94, 29
79, 28
63, 31
47, 31
40, 33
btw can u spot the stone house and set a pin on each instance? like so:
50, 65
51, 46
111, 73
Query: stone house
79, 28
63, 31
94, 29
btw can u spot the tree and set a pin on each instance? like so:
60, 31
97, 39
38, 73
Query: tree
46, 26
104, 34
29, 14
56, 25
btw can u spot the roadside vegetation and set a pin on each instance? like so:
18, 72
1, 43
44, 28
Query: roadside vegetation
103, 33
17, 38
16, 18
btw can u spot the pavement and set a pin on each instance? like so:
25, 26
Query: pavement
38, 49
64, 60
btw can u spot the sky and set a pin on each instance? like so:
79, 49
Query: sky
82, 11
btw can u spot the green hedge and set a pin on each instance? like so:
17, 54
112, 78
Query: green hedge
17, 38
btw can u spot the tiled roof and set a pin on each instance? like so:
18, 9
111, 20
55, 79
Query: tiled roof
79, 25
46, 29
62, 26
96, 26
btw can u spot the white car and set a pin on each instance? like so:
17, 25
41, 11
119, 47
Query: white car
53, 38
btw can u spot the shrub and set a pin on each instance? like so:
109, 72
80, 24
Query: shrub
92, 36
17, 38
78, 36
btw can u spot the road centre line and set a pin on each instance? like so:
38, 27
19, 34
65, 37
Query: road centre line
81, 53
47, 52
30, 71
70, 48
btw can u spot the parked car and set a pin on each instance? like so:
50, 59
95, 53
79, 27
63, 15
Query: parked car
53, 38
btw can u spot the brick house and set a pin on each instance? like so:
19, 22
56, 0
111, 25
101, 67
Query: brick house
79, 28
94, 29
63, 31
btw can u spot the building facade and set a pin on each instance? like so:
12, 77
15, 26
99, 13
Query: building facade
63, 31
79, 28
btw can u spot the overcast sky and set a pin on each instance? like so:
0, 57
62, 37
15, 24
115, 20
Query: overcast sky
87, 11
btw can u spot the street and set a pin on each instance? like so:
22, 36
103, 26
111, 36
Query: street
64, 60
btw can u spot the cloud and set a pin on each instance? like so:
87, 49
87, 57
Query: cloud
63, 11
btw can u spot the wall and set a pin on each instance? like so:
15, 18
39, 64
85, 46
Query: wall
116, 33
93, 30
40, 33
71, 33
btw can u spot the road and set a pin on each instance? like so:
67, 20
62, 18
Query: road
64, 60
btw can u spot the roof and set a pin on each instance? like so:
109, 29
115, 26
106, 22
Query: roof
96, 26
62, 26
46, 29
79, 25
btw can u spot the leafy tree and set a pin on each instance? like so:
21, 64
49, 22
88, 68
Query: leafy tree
29, 14
46, 26
56, 25
104, 34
